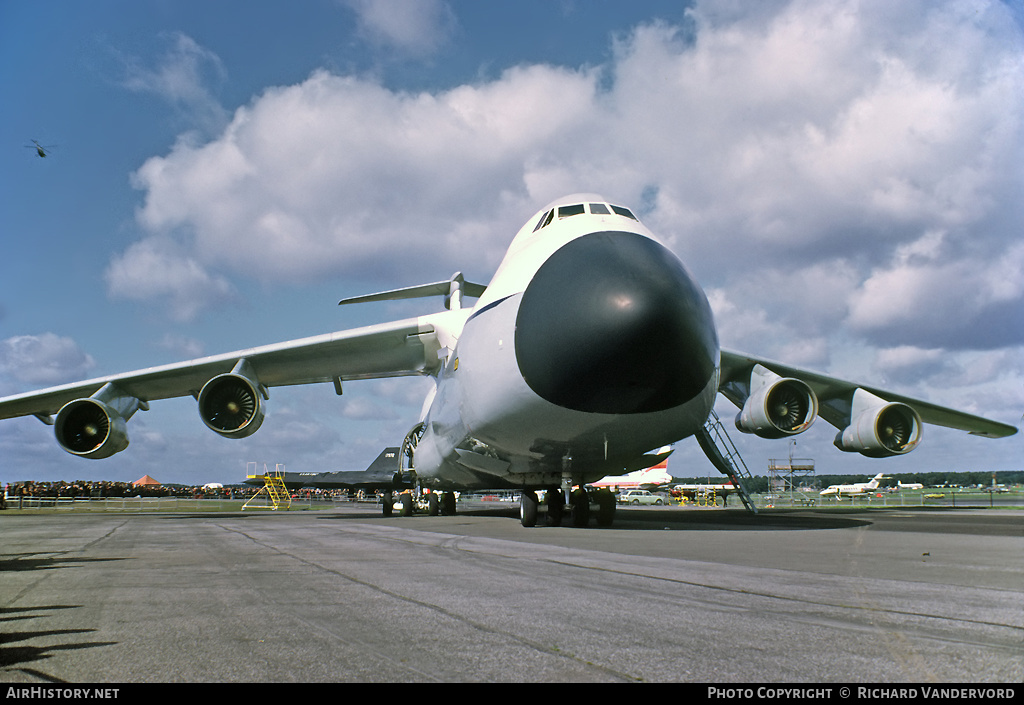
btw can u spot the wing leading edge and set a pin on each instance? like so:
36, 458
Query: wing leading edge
401, 348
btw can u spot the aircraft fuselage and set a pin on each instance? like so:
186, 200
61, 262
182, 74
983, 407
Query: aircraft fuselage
857, 488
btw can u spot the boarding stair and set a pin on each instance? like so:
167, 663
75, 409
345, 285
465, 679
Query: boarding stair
723, 454
274, 488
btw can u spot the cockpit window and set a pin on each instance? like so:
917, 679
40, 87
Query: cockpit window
581, 209
545, 219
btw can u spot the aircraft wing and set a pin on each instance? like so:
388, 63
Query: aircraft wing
407, 347
835, 396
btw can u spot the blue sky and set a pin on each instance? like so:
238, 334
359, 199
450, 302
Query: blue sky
843, 178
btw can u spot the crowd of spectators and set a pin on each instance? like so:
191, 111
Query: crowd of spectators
90, 489
85, 489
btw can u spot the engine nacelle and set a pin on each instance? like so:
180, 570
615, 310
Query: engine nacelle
96, 427
777, 406
231, 403
880, 429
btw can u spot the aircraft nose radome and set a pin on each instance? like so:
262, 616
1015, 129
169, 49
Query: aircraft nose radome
613, 323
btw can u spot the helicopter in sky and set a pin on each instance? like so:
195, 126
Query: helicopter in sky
40, 149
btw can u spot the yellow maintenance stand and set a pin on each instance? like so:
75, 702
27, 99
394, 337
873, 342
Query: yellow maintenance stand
273, 485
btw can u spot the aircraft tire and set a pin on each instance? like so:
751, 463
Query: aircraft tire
448, 504
433, 505
406, 505
387, 504
605, 508
556, 506
580, 509
528, 509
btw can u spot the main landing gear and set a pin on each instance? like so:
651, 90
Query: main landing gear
582, 505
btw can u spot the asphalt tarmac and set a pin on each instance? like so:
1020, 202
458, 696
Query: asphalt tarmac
666, 595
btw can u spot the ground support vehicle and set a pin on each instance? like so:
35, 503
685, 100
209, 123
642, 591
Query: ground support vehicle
637, 497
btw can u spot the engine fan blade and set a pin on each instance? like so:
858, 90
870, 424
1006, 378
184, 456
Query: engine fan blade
893, 431
89, 427
231, 407
787, 409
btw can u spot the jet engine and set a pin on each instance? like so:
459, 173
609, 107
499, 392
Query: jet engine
96, 427
880, 429
230, 404
777, 406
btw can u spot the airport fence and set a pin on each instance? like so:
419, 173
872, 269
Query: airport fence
892, 500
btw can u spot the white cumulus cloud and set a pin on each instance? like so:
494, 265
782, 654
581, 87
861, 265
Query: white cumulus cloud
820, 165
185, 76
154, 269
415, 27
43, 359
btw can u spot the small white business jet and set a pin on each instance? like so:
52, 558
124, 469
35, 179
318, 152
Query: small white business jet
852, 490
591, 346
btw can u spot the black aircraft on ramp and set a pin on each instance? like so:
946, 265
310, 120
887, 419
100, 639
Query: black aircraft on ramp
383, 474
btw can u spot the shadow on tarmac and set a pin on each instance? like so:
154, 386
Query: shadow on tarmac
651, 519
20, 562
15, 655
934, 519
735, 520
21, 654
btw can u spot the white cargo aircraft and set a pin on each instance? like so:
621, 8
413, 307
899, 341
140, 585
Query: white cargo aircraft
852, 490
591, 346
